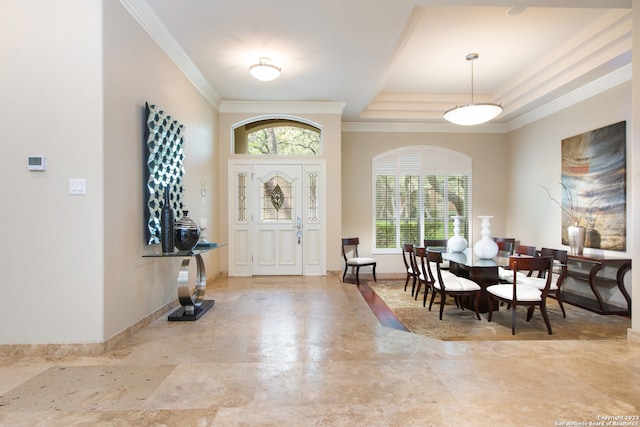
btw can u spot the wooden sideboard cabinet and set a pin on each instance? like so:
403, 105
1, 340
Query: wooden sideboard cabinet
600, 274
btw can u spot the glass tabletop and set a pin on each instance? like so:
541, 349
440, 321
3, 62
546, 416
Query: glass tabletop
201, 247
469, 259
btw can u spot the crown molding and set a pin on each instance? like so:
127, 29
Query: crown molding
421, 127
149, 21
587, 91
263, 107
609, 81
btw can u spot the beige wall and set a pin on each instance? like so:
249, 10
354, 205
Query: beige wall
137, 70
330, 125
489, 153
51, 104
535, 155
634, 176
72, 265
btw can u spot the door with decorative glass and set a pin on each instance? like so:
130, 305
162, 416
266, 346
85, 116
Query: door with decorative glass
277, 220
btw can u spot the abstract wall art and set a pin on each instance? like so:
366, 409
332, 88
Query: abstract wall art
594, 166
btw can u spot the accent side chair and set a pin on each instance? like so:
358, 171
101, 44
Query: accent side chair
352, 259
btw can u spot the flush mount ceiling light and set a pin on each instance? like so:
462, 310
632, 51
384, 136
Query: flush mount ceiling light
472, 114
264, 70
515, 10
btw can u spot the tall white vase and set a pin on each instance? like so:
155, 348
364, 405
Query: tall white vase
485, 248
457, 243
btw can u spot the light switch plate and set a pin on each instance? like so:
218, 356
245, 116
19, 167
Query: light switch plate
77, 186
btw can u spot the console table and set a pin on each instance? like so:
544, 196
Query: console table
192, 305
598, 271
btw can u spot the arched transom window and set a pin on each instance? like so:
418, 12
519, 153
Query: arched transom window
277, 136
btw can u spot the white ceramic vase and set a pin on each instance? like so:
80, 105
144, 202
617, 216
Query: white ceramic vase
457, 243
485, 248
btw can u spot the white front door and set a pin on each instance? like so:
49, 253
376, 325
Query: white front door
282, 231
277, 220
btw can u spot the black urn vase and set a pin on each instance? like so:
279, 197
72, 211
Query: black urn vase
167, 224
186, 233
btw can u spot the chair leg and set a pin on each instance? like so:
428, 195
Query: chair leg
441, 304
513, 320
476, 304
433, 297
530, 311
426, 291
374, 273
406, 282
545, 316
490, 313
357, 275
415, 297
346, 267
559, 298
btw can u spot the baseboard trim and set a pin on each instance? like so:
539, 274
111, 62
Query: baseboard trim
55, 350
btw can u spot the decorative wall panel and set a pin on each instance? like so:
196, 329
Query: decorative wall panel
164, 138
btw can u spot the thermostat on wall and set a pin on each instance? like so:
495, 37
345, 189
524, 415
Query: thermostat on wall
36, 163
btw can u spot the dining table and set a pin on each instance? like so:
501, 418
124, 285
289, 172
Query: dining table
482, 271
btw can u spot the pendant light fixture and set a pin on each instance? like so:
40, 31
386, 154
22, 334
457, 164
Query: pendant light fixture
472, 114
264, 70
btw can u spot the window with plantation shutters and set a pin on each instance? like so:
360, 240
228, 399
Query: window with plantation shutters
417, 191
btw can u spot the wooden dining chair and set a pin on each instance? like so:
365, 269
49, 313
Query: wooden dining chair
559, 272
517, 293
506, 275
450, 284
420, 255
505, 249
525, 250
352, 259
506, 245
408, 257
438, 244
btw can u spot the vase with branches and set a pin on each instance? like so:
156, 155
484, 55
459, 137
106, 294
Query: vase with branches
572, 209
577, 215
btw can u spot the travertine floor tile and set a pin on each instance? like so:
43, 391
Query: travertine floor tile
294, 351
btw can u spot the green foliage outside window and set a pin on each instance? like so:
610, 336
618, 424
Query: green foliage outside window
284, 140
417, 191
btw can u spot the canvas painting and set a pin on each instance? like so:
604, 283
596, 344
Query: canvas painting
594, 183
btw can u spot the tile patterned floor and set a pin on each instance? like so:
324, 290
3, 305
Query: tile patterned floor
308, 351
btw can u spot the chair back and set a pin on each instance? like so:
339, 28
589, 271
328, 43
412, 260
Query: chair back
560, 264
505, 249
350, 246
420, 255
407, 256
436, 243
435, 257
506, 245
543, 265
526, 250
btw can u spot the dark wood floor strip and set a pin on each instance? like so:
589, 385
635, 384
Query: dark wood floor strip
381, 310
